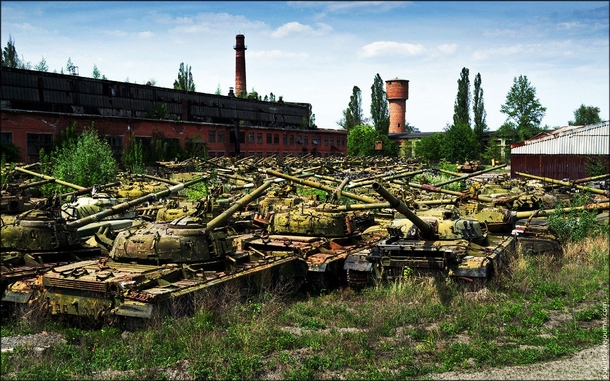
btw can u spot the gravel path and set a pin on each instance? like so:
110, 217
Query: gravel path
588, 364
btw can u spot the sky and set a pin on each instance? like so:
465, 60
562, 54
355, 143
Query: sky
316, 52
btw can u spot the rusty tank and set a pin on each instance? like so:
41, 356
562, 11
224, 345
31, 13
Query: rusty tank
41, 239
159, 269
436, 240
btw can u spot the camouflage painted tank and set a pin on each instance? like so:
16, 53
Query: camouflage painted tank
40, 239
158, 269
436, 240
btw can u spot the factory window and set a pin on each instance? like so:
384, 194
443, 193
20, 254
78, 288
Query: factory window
221, 137
306, 140
259, 138
211, 154
242, 137
212, 136
285, 139
326, 141
6, 137
315, 140
299, 139
276, 138
35, 142
259, 154
291, 140
332, 142
116, 144
269, 138
270, 153
251, 137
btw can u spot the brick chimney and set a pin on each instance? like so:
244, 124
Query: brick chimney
240, 65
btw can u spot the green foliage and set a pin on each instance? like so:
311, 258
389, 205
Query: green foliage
158, 111
461, 108
380, 113
352, 115
132, 157
492, 151
596, 165
585, 115
10, 153
96, 72
196, 147
86, 161
523, 110
42, 65
10, 58
575, 225
361, 142
429, 147
185, 79
478, 108
459, 143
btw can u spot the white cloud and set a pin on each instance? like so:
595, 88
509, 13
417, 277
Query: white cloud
447, 48
499, 33
117, 33
569, 25
278, 54
296, 28
391, 48
146, 34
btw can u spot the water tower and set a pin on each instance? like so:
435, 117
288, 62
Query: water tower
397, 92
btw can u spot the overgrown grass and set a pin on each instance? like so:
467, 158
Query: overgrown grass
539, 309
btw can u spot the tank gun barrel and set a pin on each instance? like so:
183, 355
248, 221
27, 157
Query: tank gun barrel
593, 178
168, 181
470, 175
546, 212
89, 189
221, 218
116, 209
35, 183
314, 184
559, 182
384, 177
400, 206
58, 181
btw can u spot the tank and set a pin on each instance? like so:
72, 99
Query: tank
159, 269
322, 234
436, 240
40, 239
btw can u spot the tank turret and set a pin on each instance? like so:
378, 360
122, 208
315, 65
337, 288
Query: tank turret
437, 239
162, 269
565, 183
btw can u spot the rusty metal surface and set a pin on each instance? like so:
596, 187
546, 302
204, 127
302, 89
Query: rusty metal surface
554, 166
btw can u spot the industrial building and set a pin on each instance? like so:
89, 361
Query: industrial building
565, 153
36, 106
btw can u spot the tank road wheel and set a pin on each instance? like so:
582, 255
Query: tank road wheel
357, 279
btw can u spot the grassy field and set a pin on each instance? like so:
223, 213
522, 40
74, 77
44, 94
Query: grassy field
541, 308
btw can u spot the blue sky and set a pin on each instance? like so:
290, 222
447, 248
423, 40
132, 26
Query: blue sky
316, 52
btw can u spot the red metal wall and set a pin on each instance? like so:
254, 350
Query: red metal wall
19, 123
557, 167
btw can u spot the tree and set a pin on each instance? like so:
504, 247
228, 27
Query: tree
218, 90
478, 110
361, 142
96, 73
524, 111
458, 143
429, 147
42, 65
585, 115
185, 79
132, 157
352, 116
70, 68
86, 161
379, 106
461, 108
10, 58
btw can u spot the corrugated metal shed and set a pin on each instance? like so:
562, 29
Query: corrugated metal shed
586, 140
565, 153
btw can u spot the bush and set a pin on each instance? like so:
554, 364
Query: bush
575, 225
